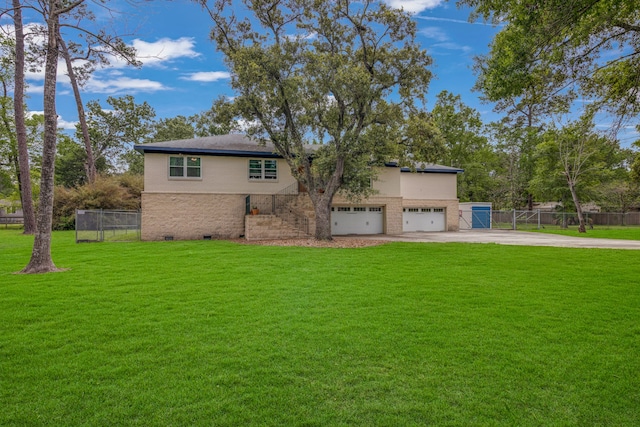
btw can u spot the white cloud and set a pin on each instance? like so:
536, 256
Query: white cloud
434, 33
308, 36
34, 32
123, 84
207, 76
149, 53
414, 6
453, 46
113, 84
443, 40
61, 73
32, 89
165, 49
155, 54
65, 124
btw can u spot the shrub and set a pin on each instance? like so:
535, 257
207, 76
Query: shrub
115, 192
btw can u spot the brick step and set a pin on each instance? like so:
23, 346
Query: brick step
269, 227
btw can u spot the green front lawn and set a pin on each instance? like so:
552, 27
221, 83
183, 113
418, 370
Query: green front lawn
216, 333
602, 232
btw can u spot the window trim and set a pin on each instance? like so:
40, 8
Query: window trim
185, 168
264, 176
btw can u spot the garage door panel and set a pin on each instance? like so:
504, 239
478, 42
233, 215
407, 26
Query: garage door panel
356, 220
423, 219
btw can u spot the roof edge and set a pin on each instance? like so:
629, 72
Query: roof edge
426, 169
143, 148
150, 148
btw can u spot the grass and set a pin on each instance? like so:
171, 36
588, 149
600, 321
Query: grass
215, 333
609, 232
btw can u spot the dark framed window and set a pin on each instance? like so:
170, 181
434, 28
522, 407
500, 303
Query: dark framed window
185, 167
263, 170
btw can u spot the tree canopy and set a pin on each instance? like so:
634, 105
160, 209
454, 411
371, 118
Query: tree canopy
347, 76
553, 47
466, 146
116, 130
550, 54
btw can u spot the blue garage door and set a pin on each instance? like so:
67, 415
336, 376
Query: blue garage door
481, 217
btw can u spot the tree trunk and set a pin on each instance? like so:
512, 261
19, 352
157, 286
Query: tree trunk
13, 143
322, 207
322, 198
24, 176
90, 165
41, 261
576, 201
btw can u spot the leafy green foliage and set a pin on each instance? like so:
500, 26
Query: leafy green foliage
550, 47
515, 149
635, 163
212, 121
618, 196
467, 148
522, 88
9, 168
8, 147
117, 192
6, 184
576, 157
70, 163
549, 53
172, 128
114, 132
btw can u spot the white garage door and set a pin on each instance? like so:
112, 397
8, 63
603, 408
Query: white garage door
423, 219
356, 220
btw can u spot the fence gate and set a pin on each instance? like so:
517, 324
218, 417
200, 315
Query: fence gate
107, 225
481, 217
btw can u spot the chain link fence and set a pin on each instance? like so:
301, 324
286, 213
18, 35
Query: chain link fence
527, 220
107, 225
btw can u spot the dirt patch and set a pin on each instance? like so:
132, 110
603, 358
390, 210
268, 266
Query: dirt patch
340, 242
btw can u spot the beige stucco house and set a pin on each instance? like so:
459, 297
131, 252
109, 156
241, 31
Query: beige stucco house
205, 188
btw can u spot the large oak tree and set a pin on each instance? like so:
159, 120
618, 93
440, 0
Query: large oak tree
347, 76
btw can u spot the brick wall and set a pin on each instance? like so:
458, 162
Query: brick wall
192, 216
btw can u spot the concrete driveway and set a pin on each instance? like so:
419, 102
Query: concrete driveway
510, 237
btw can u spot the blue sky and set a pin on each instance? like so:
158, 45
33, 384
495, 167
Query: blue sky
182, 73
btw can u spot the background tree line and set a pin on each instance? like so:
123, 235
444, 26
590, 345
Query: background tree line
506, 164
